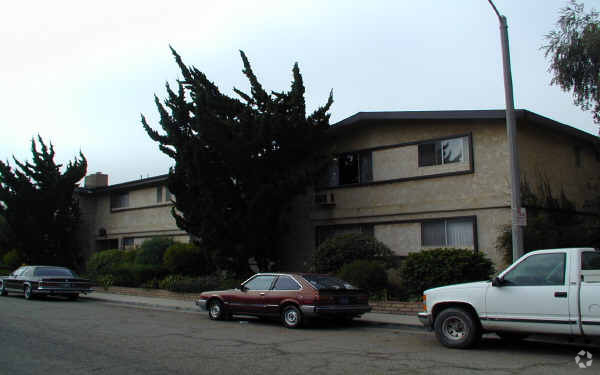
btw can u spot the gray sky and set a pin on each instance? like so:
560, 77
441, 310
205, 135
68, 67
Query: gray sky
79, 73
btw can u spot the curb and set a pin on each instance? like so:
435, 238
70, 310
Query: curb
194, 309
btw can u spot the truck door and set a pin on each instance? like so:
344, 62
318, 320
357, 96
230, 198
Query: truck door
533, 297
590, 292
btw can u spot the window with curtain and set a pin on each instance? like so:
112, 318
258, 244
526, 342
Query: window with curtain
457, 233
446, 151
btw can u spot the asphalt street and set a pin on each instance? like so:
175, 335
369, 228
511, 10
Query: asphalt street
55, 336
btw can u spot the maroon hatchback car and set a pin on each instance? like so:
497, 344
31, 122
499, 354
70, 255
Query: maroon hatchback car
291, 296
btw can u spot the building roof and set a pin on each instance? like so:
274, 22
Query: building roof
490, 114
360, 118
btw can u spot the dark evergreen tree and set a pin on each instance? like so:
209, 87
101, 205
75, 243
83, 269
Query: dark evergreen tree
574, 51
36, 200
238, 162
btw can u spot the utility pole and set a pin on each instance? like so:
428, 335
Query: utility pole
511, 131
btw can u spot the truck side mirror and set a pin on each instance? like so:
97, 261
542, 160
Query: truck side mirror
497, 281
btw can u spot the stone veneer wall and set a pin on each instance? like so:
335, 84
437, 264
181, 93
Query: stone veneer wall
388, 307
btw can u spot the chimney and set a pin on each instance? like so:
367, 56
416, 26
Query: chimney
95, 180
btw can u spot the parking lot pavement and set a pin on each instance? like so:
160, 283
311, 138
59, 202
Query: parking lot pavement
172, 304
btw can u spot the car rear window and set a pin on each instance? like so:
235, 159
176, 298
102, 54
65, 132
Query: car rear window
53, 271
322, 282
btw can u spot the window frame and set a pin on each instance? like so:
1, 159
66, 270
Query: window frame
435, 142
564, 273
473, 219
273, 287
116, 197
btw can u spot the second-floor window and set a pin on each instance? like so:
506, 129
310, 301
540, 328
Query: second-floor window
445, 151
350, 168
159, 194
119, 200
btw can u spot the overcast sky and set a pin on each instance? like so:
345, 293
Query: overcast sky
80, 73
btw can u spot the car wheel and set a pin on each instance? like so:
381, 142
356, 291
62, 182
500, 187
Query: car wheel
216, 310
457, 328
3, 291
291, 316
512, 336
27, 292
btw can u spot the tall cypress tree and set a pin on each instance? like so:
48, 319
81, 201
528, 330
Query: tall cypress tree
36, 200
238, 162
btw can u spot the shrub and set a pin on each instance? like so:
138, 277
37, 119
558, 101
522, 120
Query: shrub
103, 262
153, 250
186, 259
365, 274
129, 274
187, 284
437, 267
346, 248
396, 290
12, 259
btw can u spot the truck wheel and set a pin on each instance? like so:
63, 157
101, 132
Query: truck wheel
457, 328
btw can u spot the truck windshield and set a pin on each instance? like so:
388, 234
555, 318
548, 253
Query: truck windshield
322, 282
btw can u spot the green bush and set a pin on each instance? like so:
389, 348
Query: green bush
153, 250
187, 284
12, 259
103, 262
134, 275
332, 254
365, 274
437, 267
395, 288
186, 259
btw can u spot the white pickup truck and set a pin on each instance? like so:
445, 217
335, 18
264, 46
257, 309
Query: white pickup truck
553, 292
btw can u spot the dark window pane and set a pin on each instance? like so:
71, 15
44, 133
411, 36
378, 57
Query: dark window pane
119, 200
452, 150
366, 167
53, 271
348, 169
426, 154
286, 283
327, 282
540, 269
590, 260
434, 233
159, 194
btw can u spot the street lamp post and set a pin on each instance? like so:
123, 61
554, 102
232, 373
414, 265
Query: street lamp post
511, 130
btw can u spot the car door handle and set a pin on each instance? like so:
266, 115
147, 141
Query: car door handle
560, 294
262, 294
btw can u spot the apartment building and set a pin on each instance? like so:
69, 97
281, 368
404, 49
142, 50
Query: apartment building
419, 180
415, 180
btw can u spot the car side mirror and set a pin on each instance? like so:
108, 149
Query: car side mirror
497, 281
243, 288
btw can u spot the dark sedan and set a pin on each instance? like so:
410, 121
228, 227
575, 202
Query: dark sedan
290, 296
43, 281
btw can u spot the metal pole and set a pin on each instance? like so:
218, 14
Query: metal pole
511, 131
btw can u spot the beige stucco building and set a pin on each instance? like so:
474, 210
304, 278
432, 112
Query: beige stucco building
415, 180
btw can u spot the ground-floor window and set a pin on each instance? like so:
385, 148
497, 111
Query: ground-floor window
328, 231
457, 233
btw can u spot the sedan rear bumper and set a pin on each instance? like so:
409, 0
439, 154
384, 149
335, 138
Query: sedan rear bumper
349, 310
60, 291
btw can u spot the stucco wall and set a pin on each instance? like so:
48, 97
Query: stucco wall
551, 156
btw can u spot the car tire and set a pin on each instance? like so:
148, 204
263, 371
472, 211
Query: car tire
291, 316
512, 336
216, 310
3, 291
27, 292
457, 328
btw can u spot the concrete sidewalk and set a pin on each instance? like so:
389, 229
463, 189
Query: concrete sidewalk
189, 306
